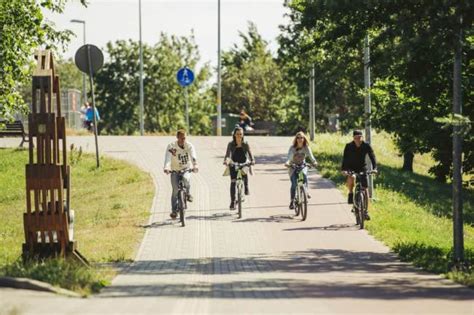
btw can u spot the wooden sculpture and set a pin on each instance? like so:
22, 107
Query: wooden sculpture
47, 218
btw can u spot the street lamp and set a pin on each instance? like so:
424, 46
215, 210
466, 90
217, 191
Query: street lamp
219, 92
84, 92
141, 67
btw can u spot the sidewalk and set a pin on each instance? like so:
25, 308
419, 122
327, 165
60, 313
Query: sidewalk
266, 262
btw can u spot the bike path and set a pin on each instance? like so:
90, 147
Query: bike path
267, 262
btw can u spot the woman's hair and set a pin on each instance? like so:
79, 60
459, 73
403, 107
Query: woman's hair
237, 128
305, 139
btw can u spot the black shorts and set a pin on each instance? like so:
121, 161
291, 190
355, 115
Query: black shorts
364, 181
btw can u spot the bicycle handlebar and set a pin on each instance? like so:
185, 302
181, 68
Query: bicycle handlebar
186, 170
300, 166
240, 165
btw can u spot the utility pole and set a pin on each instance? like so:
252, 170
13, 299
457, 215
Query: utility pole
142, 110
368, 127
219, 92
458, 239
312, 115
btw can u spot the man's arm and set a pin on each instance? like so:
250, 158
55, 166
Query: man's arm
345, 157
192, 151
167, 165
371, 154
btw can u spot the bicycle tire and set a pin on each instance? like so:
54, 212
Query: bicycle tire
304, 204
239, 204
297, 206
181, 205
361, 211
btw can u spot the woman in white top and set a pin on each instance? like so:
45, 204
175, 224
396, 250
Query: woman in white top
297, 154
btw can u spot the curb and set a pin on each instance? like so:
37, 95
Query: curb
35, 285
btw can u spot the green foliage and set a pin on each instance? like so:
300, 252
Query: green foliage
67, 274
253, 80
71, 77
412, 50
23, 29
117, 86
107, 226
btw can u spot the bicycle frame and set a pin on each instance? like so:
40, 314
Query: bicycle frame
360, 198
301, 196
182, 193
239, 184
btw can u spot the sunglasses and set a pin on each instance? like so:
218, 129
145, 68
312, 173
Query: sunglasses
299, 138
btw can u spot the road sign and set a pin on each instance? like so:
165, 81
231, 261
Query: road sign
84, 53
185, 76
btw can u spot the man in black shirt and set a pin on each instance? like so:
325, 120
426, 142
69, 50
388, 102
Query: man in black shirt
354, 160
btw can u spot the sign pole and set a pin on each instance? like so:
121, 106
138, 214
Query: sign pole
187, 109
94, 118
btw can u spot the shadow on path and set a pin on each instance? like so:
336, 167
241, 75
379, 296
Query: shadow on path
359, 282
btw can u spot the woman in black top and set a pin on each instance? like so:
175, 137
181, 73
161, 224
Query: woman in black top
238, 151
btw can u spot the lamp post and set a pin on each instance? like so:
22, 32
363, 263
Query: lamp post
84, 92
219, 92
141, 67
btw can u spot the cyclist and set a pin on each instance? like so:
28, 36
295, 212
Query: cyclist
238, 151
354, 160
245, 121
297, 154
180, 155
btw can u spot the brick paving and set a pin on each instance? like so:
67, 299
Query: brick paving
267, 262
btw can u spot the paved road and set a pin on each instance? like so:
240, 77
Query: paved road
266, 262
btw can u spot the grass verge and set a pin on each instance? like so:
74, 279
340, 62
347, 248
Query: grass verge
412, 213
111, 204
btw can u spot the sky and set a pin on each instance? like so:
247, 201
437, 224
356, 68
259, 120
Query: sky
111, 20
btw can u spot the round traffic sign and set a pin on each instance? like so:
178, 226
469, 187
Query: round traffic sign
185, 76
82, 58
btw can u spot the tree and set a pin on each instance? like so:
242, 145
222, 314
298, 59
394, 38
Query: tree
117, 86
23, 29
253, 80
412, 57
71, 77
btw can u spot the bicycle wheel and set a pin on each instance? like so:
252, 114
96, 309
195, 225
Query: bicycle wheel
304, 203
181, 205
361, 209
239, 200
297, 206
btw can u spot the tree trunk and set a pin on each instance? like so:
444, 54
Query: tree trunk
408, 161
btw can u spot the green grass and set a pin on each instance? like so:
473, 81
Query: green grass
110, 203
412, 213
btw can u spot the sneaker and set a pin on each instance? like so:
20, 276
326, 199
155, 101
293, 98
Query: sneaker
308, 196
232, 205
173, 215
367, 217
350, 199
189, 198
292, 204
247, 191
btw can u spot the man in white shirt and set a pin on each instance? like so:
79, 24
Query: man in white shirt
180, 155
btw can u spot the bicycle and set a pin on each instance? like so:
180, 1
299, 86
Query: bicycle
301, 196
239, 184
361, 199
182, 193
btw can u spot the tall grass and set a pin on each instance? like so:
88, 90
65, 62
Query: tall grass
412, 212
111, 204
